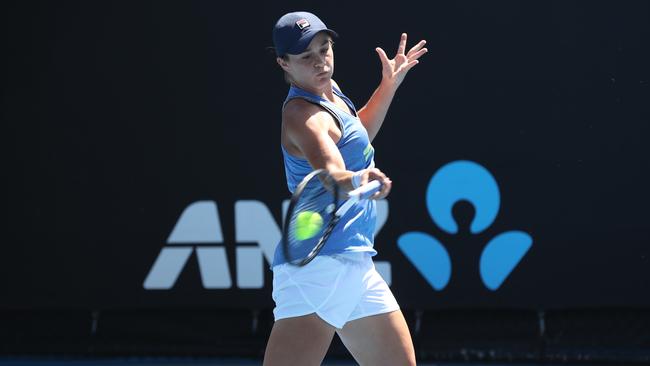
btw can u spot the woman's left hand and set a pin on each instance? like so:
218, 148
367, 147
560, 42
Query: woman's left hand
393, 71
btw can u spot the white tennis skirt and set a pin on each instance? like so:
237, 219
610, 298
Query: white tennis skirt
338, 288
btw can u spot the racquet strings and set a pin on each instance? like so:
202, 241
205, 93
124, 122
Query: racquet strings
313, 198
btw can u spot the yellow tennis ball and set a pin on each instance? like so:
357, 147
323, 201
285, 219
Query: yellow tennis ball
308, 224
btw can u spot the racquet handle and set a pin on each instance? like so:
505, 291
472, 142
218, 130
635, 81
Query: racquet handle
363, 192
366, 190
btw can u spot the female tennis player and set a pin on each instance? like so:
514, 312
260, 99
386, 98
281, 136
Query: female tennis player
340, 290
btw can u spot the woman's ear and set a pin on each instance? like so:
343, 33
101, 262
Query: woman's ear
283, 63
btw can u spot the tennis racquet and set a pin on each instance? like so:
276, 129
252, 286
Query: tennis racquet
314, 211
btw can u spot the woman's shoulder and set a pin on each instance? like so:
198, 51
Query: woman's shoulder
299, 111
298, 106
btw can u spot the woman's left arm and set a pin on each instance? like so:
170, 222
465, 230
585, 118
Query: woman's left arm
393, 72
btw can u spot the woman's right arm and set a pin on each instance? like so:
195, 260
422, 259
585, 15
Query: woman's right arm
307, 129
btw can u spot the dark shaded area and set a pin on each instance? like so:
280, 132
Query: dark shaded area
607, 335
119, 115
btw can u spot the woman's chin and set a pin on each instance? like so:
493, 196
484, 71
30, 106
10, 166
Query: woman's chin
324, 78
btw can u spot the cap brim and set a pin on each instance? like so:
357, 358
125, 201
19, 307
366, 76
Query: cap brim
304, 42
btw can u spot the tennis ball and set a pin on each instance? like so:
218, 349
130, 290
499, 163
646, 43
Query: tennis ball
308, 224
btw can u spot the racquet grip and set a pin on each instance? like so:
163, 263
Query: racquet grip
363, 192
366, 190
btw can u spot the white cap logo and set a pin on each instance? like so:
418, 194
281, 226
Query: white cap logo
302, 24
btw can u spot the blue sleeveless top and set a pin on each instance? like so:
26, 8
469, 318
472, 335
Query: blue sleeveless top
355, 230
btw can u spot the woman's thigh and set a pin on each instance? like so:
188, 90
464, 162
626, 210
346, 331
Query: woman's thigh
382, 339
302, 340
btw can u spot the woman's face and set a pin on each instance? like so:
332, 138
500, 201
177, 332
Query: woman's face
314, 67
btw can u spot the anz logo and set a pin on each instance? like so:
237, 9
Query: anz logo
469, 181
198, 230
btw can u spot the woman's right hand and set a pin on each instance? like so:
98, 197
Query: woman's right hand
376, 174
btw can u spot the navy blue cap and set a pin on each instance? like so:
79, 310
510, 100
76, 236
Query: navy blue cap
294, 31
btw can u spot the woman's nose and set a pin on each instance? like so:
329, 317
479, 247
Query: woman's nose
320, 61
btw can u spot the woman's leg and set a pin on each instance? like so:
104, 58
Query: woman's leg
301, 341
382, 339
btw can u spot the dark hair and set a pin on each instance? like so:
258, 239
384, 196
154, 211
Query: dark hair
287, 78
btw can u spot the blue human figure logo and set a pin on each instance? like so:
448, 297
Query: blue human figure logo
468, 181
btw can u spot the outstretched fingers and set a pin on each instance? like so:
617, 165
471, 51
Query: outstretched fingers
382, 55
396, 68
417, 47
402, 44
416, 51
